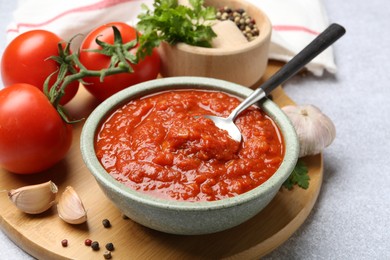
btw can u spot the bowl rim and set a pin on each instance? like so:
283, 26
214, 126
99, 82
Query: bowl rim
265, 35
185, 82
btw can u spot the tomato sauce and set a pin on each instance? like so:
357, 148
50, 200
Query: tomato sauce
159, 145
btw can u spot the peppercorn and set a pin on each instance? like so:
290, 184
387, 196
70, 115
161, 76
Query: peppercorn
64, 242
107, 255
110, 246
88, 242
95, 245
227, 9
244, 22
106, 223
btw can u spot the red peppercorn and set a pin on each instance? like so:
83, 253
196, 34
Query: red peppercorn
88, 242
64, 242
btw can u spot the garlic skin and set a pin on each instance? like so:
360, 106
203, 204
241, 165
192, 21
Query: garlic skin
34, 199
315, 130
70, 207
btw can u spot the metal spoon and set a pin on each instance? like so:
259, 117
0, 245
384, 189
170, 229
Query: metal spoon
319, 44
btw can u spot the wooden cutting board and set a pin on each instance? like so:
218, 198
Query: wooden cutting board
41, 235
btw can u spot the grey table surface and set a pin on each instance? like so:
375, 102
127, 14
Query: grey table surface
351, 218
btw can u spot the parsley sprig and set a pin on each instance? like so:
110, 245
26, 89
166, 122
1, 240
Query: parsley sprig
299, 176
174, 23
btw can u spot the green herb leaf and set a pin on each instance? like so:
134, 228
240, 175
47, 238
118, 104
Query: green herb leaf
175, 23
299, 176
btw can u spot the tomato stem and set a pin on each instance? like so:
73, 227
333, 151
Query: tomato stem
71, 69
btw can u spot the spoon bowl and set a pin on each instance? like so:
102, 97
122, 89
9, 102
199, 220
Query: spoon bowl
318, 45
227, 124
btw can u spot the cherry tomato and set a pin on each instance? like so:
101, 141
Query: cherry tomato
146, 69
25, 60
33, 137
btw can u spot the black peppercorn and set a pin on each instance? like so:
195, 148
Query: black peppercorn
110, 246
106, 223
95, 245
227, 9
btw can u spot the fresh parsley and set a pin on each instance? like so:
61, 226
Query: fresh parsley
299, 176
173, 23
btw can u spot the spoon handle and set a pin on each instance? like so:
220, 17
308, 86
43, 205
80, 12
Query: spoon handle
318, 45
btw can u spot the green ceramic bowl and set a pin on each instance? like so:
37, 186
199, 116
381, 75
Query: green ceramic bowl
179, 217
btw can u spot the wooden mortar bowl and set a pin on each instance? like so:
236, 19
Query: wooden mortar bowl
243, 65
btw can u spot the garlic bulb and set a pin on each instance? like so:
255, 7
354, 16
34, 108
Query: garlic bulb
315, 130
70, 207
34, 199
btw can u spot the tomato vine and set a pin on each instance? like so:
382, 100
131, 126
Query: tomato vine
71, 69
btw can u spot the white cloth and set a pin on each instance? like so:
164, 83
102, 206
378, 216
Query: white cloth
295, 22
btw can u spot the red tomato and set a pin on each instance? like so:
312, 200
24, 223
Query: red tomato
146, 69
25, 60
33, 137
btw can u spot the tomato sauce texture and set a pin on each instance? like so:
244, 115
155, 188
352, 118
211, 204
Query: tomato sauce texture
160, 146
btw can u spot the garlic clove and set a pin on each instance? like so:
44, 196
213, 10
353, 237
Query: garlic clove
315, 130
70, 207
34, 199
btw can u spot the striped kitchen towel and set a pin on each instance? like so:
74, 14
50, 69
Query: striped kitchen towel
295, 22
